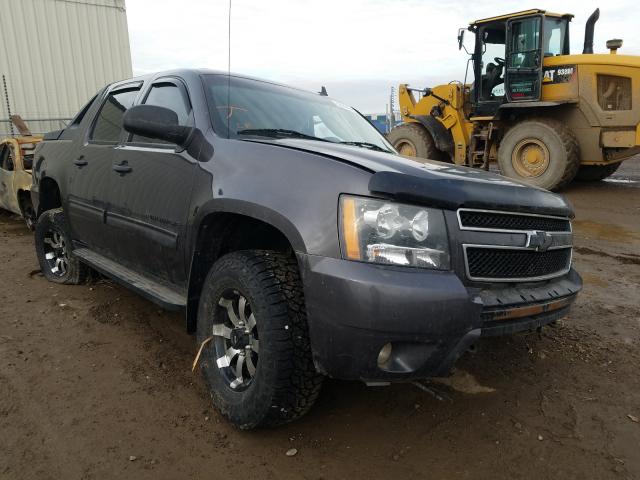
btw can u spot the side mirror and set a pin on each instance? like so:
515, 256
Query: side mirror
156, 122
460, 38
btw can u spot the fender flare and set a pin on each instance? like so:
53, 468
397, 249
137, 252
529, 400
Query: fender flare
234, 207
441, 136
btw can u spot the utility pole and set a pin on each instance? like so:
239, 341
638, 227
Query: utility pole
6, 98
391, 116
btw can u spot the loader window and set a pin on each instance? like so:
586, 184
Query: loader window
525, 37
524, 62
556, 40
492, 68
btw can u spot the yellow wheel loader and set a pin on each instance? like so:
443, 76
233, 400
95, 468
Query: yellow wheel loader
546, 116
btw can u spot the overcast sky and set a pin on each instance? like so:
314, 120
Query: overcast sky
358, 49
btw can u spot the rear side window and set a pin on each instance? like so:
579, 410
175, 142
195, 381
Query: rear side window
173, 97
4, 157
108, 125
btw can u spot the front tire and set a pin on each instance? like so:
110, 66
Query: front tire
542, 152
53, 248
413, 140
258, 364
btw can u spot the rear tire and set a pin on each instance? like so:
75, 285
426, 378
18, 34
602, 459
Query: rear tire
595, 173
542, 152
414, 140
54, 247
252, 303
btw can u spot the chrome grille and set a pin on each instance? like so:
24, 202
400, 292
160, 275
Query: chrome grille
525, 247
475, 219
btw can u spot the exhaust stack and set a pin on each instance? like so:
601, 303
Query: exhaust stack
588, 31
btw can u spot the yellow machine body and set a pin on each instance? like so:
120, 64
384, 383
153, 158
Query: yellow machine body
597, 96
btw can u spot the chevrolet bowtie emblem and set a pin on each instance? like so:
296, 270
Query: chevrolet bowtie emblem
539, 241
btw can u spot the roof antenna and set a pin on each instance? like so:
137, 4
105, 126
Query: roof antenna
229, 77
323, 92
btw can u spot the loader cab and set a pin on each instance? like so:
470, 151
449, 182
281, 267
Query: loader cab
508, 56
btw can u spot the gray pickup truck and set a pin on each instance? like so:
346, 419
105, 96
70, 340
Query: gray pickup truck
298, 243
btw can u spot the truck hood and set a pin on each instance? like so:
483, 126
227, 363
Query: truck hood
435, 183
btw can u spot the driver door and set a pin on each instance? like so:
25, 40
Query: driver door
524, 59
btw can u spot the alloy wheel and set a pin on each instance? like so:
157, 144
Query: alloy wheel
56, 253
236, 341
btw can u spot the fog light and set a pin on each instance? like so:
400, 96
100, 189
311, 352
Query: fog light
385, 354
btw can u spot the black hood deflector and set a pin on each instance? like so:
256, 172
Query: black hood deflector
454, 193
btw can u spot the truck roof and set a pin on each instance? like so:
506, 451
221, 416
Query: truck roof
523, 13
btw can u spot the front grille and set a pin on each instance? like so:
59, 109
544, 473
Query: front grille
516, 264
473, 219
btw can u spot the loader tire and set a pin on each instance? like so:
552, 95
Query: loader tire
414, 140
542, 152
595, 173
258, 364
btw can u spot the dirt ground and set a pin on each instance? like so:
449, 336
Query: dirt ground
95, 382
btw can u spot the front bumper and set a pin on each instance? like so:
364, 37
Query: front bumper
429, 317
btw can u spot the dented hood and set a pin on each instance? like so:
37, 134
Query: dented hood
438, 184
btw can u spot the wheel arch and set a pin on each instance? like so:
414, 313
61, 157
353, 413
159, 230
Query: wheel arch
232, 226
442, 137
49, 196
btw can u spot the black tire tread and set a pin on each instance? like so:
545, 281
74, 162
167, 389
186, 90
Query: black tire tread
595, 173
297, 383
417, 134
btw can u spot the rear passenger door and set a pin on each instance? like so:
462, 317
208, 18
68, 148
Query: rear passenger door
151, 191
90, 174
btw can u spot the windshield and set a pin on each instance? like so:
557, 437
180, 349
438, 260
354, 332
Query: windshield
252, 108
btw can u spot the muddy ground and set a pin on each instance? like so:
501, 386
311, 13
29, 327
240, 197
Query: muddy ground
95, 382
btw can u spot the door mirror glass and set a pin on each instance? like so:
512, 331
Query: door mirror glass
156, 122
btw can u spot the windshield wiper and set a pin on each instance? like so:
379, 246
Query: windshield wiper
278, 133
370, 146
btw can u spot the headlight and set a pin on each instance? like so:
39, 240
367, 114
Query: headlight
378, 231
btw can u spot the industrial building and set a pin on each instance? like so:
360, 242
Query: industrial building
55, 55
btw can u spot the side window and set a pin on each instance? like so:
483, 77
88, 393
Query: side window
4, 153
80, 115
173, 97
525, 43
6, 158
108, 123
492, 73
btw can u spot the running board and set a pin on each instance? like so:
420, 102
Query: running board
150, 289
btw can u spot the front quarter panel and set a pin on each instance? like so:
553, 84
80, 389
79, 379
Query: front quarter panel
295, 191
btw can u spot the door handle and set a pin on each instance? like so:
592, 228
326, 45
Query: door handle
80, 161
122, 168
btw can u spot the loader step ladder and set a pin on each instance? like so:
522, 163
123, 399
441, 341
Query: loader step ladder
480, 147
